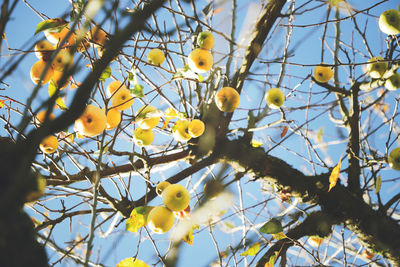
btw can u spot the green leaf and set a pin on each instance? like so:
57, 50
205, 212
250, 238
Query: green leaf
132, 262
273, 226
52, 25
252, 250
53, 90
273, 258
378, 184
137, 90
138, 218
106, 74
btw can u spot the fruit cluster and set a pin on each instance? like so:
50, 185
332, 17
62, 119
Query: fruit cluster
176, 199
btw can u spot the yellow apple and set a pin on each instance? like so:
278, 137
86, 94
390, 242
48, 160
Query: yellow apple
275, 98
42, 115
56, 78
97, 36
200, 60
63, 60
322, 74
122, 99
160, 220
181, 131
227, 99
389, 22
147, 117
143, 137
196, 128
49, 144
176, 197
161, 186
376, 70
113, 86
393, 83
113, 118
92, 122
37, 70
43, 50
205, 40
394, 159
156, 57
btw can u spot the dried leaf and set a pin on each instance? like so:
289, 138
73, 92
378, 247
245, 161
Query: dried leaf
378, 184
132, 262
189, 237
252, 250
138, 218
284, 131
334, 176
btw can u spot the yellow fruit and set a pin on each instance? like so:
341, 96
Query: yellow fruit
377, 69
57, 37
315, 241
176, 197
275, 98
113, 86
393, 82
200, 60
196, 128
181, 131
122, 99
62, 61
49, 144
160, 220
161, 187
143, 137
394, 159
113, 119
213, 188
92, 122
156, 57
322, 74
205, 40
227, 99
97, 36
41, 115
389, 22
56, 78
147, 117
43, 50
37, 70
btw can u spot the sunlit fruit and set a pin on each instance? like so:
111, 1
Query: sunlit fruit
181, 131
389, 22
63, 60
160, 220
42, 115
323, 74
97, 36
161, 186
156, 56
275, 98
58, 80
200, 60
122, 99
176, 197
394, 159
147, 117
113, 119
393, 83
49, 144
36, 72
56, 37
92, 122
43, 50
213, 188
113, 86
227, 99
205, 40
143, 137
196, 128
377, 69
315, 241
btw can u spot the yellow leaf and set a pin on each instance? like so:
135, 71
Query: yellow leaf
378, 184
4, 36
320, 134
189, 237
252, 250
334, 176
138, 218
2, 103
279, 236
132, 262
256, 143
61, 104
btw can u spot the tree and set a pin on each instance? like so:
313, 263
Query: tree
312, 171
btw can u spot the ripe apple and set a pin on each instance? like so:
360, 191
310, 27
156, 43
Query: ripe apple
155, 57
92, 122
181, 131
49, 144
275, 98
196, 128
42, 115
213, 188
57, 37
43, 50
200, 60
160, 220
122, 99
205, 40
393, 83
176, 197
227, 99
56, 78
161, 187
97, 36
113, 118
394, 159
376, 70
147, 117
389, 22
37, 70
143, 137
62, 61
113, 86
323, 74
